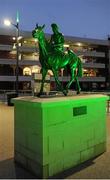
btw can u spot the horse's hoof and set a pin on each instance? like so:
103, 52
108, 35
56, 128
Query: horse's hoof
39, 94
65, 92
78, 92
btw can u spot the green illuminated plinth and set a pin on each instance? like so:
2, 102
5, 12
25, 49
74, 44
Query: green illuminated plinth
54, 134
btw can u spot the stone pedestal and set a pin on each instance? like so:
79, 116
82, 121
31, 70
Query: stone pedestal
54, 134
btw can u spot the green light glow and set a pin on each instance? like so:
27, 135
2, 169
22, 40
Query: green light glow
55, 134
17, 17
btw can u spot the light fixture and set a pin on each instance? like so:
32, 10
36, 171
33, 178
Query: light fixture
14, 46
13, 38
19, 44
79, 44
66, 45
7, 22
36, 40
85, 70
20, 37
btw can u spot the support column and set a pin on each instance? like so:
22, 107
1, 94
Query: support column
108, 57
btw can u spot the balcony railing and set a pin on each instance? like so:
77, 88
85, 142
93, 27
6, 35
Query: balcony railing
21, 48
21, 62
93, 65
83, 79
91, 53
13, 78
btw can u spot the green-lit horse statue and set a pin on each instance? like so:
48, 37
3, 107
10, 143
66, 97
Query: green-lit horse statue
53, 60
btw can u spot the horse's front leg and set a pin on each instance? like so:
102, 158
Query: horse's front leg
59, 85
44, 72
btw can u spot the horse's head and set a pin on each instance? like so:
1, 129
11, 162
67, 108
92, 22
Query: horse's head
38, 31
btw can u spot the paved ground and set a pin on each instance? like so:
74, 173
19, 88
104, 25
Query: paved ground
97, 168
6, 131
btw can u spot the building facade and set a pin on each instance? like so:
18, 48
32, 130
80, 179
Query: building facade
94, 53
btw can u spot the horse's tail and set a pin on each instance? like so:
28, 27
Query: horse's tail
79, 68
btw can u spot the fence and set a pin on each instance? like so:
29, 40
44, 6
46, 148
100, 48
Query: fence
3, 94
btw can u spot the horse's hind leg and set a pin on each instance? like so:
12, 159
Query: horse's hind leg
44, 72
58, 82
71, 79
77, 84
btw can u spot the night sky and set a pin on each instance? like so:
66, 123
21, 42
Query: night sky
82, 18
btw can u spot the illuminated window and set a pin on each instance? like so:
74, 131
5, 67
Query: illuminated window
36, 69
26, 71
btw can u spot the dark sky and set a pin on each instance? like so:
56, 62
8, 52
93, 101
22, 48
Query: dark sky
83, 18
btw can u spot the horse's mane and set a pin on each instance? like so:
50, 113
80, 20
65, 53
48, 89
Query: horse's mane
47, 43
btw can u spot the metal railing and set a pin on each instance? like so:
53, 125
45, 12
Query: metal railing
3, 94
